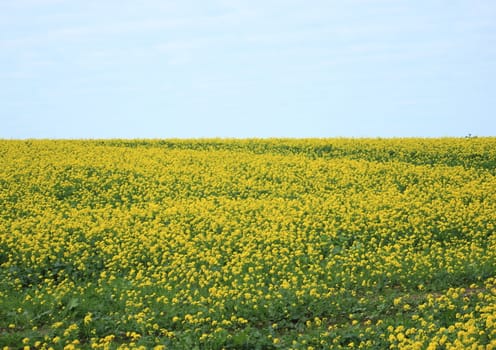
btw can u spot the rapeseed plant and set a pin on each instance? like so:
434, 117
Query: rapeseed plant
308, 244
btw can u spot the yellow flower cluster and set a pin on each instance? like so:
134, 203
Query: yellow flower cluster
340, 243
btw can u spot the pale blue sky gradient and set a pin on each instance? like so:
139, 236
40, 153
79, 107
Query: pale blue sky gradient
292, 68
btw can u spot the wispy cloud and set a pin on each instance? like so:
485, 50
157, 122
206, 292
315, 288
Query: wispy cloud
121, 25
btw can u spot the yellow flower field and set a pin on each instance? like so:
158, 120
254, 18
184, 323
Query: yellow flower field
248, 244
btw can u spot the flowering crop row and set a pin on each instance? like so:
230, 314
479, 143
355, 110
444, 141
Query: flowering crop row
210, 244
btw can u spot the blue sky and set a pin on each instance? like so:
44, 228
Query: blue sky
220, 68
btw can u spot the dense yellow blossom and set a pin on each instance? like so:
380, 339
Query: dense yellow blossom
308, 244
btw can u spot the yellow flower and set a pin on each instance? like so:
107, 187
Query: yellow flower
88, 318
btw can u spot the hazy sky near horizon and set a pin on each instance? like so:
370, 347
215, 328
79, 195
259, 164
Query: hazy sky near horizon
234, 68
